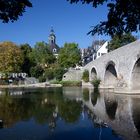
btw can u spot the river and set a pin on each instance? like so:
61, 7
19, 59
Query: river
68, 113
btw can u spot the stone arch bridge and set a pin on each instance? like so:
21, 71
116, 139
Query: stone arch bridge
117, 69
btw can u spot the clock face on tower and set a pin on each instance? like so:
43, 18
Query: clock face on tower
52, 38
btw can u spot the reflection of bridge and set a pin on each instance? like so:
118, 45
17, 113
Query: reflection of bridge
119, 68
121, 113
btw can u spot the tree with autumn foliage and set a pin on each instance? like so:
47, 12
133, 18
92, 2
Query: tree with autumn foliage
11, 57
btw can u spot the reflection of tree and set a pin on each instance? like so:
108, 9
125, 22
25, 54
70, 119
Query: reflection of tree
44, 112
39, 104
13, 110
94, 96
70, 110
86, 94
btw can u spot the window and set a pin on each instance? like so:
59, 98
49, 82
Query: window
54, 50
98, 53
102, 53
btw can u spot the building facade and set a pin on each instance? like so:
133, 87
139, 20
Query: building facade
94, 52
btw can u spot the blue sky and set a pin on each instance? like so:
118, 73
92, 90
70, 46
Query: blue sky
71, 22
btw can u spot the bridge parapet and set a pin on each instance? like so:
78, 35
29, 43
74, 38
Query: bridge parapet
119, 68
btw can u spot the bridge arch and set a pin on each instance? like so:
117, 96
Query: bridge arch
93, 73
135, 75
110, 76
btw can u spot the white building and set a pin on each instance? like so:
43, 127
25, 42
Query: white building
101, 51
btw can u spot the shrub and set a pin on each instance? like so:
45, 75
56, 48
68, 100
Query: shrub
49, 74
96, 82
42, 78
58, 73
71, 83
36, 71
86, 94
85, 76
55, 82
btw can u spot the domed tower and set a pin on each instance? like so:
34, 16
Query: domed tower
54, 48
52, 37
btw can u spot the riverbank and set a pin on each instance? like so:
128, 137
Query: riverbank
37, 85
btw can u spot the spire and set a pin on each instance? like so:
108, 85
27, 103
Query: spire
52, 36
52, 30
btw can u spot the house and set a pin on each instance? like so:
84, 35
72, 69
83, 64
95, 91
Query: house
101, 51
94, 52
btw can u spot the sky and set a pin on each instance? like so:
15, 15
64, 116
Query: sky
71, 23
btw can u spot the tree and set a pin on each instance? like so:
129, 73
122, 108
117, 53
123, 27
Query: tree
43, 59
10, 10
69, 55
58, 72
42, 55
119, 41
123, 16
85, 76
11, 57
27, 63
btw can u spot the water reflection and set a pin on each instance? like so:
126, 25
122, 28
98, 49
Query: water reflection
68, 113
136, 113
110, 105
94, 96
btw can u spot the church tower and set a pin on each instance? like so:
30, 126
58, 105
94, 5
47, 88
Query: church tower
52, 37
54, 48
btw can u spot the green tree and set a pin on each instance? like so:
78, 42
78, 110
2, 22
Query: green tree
11, 57
43, 60
85, 76
27, 63
123, 16
69, 55
10, 10
58, 73
36, 71
42, 55
119, 41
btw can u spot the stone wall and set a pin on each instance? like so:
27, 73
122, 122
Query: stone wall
73, 75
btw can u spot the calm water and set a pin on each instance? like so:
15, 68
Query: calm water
68, 114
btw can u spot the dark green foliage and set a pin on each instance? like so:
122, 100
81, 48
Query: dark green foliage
42, 59
96, 83
36, 71
10, 10
123, 16
119, 41
86, 94
27, 63
42, 78
94, 96
49, 74
85, 76
42, 54
69, 55
71, 83
58, 73
70, 110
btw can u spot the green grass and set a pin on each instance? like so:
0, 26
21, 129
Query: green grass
68, 83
